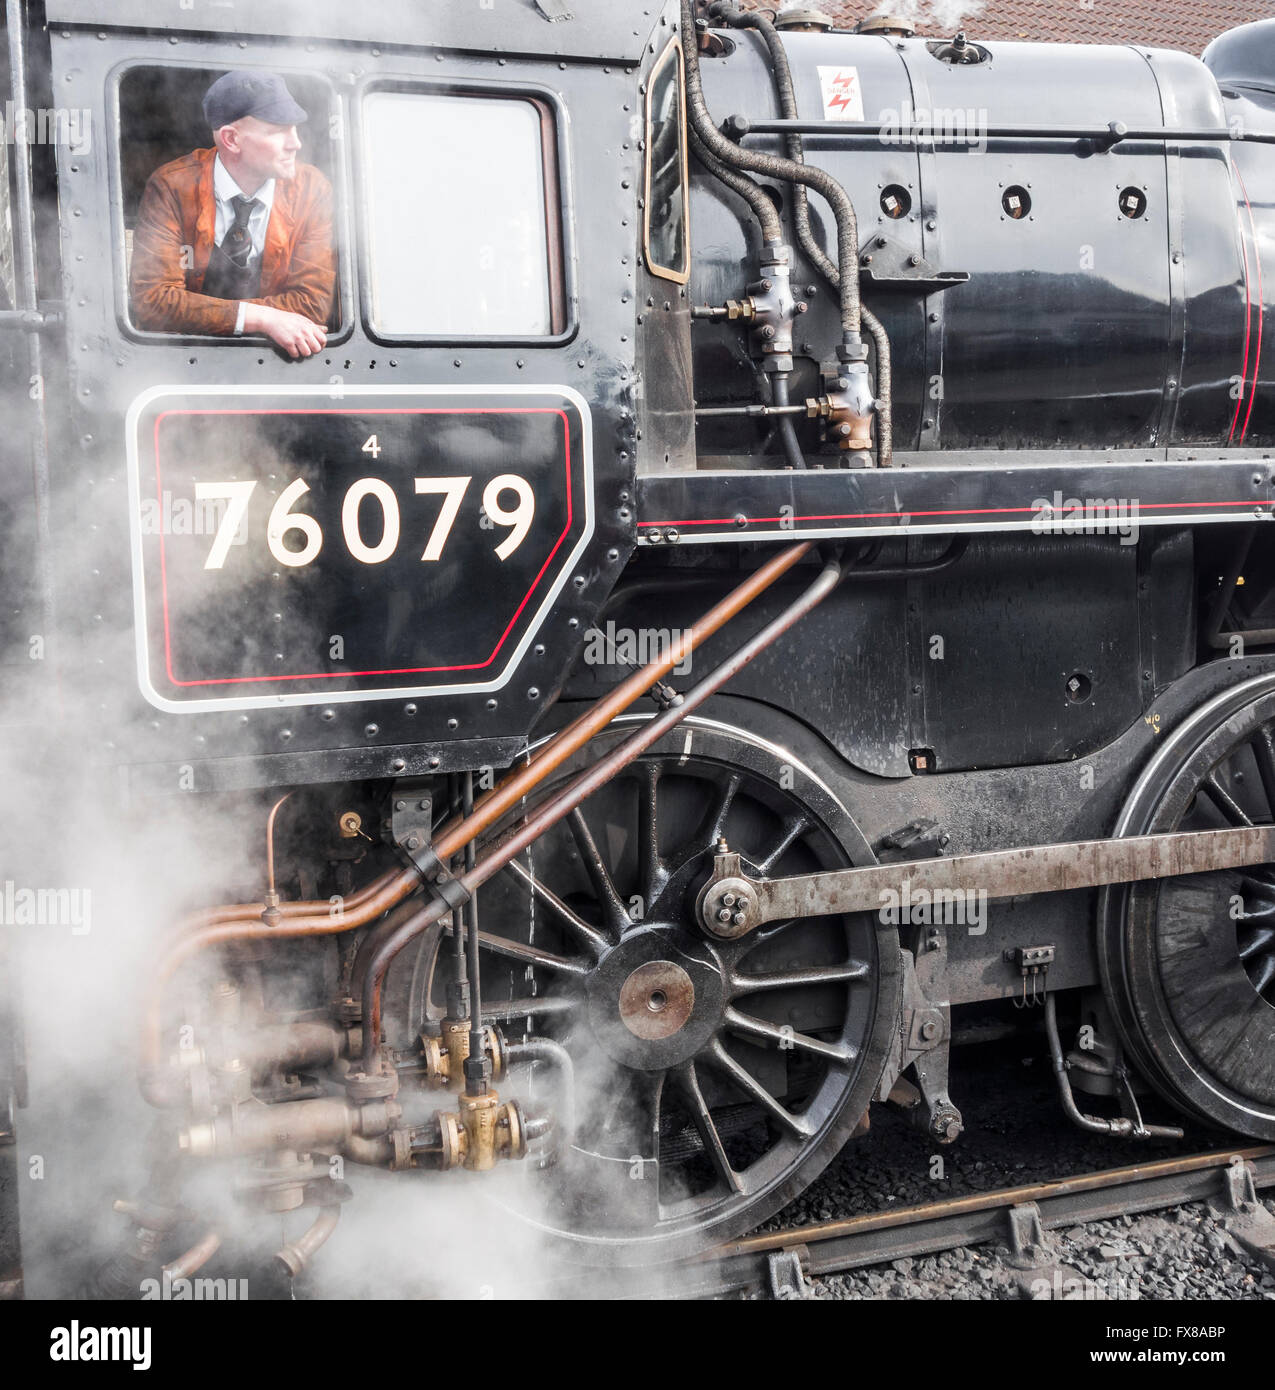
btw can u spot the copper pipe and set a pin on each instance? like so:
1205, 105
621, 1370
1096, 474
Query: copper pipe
274, 811
243, 923
367, 946
577, 790
299, 1253
195, 1258
250, 912
490, 807
154, 1083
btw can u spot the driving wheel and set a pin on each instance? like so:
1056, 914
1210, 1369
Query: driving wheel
713, 1080
1189, 963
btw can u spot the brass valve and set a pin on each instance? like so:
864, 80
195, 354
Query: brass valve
848, 407
445, 1055
482, 1130
741, 309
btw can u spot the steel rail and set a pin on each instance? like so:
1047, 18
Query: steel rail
927, 1228
1113, 1191
873, 1238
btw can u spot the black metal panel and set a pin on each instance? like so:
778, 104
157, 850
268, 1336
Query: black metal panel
888, 667
1252, 371
1027, 495
598, 29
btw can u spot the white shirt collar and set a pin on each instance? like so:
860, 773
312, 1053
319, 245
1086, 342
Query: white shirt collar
225, 188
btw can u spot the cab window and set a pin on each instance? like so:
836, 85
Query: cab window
461, 217
667, 204
176, 281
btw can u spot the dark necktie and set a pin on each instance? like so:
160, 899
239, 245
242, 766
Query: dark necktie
237, 243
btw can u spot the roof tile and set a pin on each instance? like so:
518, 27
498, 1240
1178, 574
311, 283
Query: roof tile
1185, 24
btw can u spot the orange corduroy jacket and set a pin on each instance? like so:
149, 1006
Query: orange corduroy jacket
173, 240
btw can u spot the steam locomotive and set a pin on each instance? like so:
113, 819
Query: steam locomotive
768, 568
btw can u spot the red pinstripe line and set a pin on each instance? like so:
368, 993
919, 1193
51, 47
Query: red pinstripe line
1248, 319
1261, 298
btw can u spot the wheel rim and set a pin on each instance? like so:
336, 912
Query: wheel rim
715, 1079
1189, 963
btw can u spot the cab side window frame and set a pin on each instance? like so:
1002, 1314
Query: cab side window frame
655, 248
337, 173
557, 205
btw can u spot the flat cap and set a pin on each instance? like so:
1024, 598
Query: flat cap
261, 94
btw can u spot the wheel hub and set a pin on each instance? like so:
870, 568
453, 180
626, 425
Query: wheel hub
656, 999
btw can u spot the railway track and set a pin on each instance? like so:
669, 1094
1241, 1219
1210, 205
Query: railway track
1018, 1217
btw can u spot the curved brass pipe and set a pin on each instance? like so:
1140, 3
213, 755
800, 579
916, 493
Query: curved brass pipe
195, 1258
274, 811
295, 1256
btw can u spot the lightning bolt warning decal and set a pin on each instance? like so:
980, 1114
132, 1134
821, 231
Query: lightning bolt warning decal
842, 95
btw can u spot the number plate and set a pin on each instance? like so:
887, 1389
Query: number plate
298, 546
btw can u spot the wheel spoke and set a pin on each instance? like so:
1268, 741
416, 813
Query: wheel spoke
530, 955
614, 913
735, 951
1264, 754
592, 940
1264, 974
784, 1037
1258, 888
687, 1081
630, 1135
711, 826
652, 875
1230, 809
718, 812
798, 979
1261, 940
718, 1057
543, 1006
793, 830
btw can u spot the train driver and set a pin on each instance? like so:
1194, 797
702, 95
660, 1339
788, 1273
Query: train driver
238, 238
